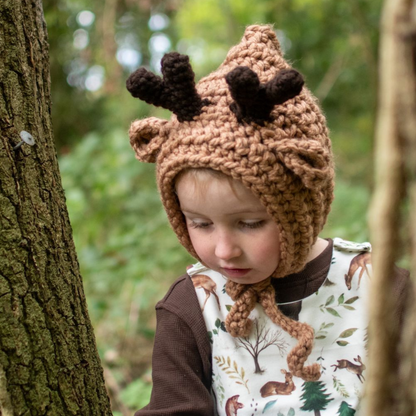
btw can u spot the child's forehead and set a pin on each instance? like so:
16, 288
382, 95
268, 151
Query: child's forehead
202, 178
203, 182
204, 173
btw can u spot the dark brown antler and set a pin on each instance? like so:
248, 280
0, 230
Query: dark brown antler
254, 101
175, 92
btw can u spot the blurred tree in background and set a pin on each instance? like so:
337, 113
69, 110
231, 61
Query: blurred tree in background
127, 253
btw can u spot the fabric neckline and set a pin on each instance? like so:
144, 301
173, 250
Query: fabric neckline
298, 286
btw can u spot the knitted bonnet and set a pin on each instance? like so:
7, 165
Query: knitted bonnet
252, 119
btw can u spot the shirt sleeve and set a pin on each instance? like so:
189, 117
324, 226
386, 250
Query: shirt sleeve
181, 379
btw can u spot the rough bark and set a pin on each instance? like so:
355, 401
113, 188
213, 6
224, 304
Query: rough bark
49, 363
395, 182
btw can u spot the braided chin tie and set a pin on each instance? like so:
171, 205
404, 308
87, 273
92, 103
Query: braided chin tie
238, 324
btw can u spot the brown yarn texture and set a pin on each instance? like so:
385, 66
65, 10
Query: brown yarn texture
282, 155
238, 324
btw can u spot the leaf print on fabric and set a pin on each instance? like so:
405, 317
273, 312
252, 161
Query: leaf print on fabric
269, 405
345, 334
330, 300
291, 412
327, 308
220, 391
219, 325
332, 311
347, 303
351, 300
321, 360
231, 369
260, 339
322, 331
331, 307
339, 387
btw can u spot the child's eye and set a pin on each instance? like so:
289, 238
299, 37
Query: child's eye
252, 224
194, 224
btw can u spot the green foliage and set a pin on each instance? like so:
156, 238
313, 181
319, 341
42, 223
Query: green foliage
127, 252
84, 54
137, 394
348, 216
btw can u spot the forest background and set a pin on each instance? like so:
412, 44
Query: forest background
127, 252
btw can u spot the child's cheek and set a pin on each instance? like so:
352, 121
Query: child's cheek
200, 244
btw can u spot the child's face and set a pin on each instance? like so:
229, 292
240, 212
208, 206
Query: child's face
230, 229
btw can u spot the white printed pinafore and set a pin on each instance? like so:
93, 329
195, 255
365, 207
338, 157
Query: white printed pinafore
251, 376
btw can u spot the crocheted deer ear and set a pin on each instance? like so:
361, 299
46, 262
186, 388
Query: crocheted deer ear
176, 92
147, 137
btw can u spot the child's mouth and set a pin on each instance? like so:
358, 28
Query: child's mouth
231, 272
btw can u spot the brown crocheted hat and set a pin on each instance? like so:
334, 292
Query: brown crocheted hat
253, 120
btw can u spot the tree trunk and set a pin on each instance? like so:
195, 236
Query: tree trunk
49, 363
257, 370
395, 181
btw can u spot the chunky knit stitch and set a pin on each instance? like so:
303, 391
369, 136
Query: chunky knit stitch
253, 120
238, 323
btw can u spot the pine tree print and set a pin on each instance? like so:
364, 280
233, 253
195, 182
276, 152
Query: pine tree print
314, 397
345, 410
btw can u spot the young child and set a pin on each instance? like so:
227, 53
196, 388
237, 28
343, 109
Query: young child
272, 319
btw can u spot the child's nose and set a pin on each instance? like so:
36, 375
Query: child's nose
227, 246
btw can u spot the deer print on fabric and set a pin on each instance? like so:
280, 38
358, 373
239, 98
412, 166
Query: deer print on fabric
285, 388
201, 281
232, 406
351, 367
358, 262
